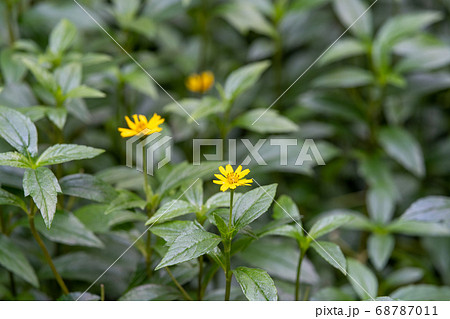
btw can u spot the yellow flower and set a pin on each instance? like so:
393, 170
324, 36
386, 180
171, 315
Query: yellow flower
141, 126
200, 83
232, 179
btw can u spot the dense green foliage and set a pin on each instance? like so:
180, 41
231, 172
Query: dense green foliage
367, 81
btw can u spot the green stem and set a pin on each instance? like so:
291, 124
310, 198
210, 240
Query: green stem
148, 245
10, 19
297, 280
185, 294
12, 284
200, 275
227, 251
102, 292
47, 256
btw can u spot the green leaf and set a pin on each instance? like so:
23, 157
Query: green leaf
416, 228
68, 76
43, 187
43, 76
256, 284
171, 210
245, 16
150, 292
88, 187
141, 82
332, 254
84, 91
12, 259
171, 230
221, 225
58, 116
284, 208
347, 77
62, 36
402, 147
380, 203
94, 218
429, 209
252, 204
291, 231
125, 200
404, 276
67, 229
189, 246
18, 131
243, 78
345, 48
7, 198
380, 248
362, 279
12, 70
422, 293
395, 30
328, 224
195, 194
221, 199
14, 159
267, 121
62, 153
350, 11
186, 173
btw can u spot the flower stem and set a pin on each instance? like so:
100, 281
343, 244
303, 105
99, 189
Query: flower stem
185, 294
200, 275
148, 244
227, 251
297, 281
102, 292
47, 256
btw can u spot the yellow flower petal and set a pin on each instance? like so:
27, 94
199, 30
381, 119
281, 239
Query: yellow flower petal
244, 173
218, 182
229, 169
224, 187
222, 170
220, 177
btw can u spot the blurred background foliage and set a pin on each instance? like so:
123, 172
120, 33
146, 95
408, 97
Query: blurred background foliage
376, 103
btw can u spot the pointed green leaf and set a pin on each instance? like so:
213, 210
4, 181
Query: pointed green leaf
402, 146
14, 159
328, 224
332, 254
7, 198
125, 200
62, 36
243, 78
189, 246
380, 249
252, 204
62, 153
363, 280
354, 13
67, 229
18, 131
12, 259
267, 121
87, 186
171, 210
256, 284
84, 91
43, 187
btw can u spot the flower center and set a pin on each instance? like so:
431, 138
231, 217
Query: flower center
232, 178
140, 126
